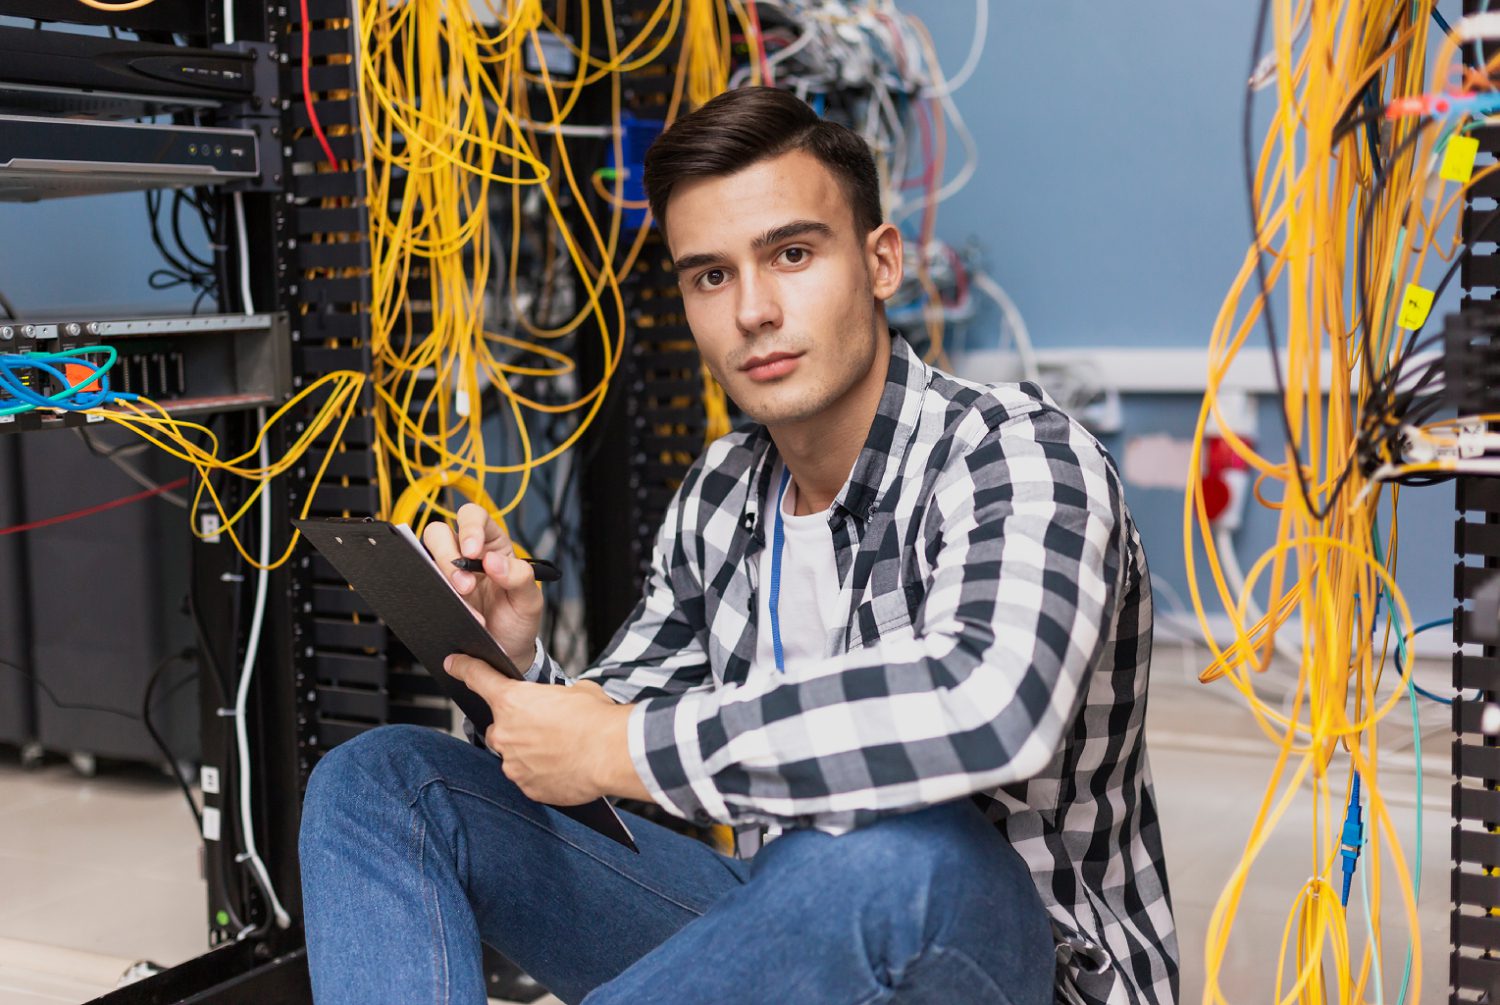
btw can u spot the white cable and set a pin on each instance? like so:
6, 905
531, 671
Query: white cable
971, 62
1013, 320
965, 174
242, 695
258, 617
228, 22
246, 301
563, 129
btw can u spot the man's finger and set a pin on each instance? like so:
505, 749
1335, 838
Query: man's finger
478, 676
440, 542
477, 533
443, 547
510, 572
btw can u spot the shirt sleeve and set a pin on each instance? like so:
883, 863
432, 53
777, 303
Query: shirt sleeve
1023, 543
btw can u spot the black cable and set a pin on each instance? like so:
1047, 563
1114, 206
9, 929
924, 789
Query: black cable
161, 744
1362, 241
1267, 314
8, 307
181, 269
231, 882
1372, 134
1247, 128
78, 706
231, 891
108, 453
178, 198
1403, 404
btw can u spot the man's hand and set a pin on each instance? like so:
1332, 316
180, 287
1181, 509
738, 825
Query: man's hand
506, 597
560, 745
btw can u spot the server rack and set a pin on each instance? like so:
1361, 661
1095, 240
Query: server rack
17, 697
1471, 356
327, 669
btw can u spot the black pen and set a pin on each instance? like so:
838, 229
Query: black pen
542, 569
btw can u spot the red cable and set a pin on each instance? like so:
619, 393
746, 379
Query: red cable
90, 511
307, 98
766, 77
923, 180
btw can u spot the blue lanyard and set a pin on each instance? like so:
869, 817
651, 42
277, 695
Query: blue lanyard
778, 538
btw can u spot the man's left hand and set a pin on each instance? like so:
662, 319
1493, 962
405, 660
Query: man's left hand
560, 745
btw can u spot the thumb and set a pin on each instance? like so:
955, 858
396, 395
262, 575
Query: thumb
478, 676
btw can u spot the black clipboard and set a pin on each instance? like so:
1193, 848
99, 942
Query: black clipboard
389, 568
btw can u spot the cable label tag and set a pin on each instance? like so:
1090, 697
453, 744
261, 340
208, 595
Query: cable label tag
1458, 159
210, 823
1415, 305
1470, 445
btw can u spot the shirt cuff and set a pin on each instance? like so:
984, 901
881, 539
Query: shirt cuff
664, 747
537, 671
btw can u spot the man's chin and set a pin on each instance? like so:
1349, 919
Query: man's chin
782, 412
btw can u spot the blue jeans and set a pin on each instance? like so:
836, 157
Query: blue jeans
415, 847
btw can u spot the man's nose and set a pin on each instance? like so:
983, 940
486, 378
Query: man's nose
759, 307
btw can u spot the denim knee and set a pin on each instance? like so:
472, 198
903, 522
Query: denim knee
912, 862
380, 763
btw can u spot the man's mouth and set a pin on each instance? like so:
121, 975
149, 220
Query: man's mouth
771, 365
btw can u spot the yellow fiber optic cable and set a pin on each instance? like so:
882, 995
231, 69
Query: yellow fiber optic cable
1338, 231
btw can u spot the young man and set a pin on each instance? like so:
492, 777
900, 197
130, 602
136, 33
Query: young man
901, 625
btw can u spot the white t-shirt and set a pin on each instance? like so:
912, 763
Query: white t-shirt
812, 625
808, 607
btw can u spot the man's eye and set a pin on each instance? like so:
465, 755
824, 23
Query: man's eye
713, 277
795, 256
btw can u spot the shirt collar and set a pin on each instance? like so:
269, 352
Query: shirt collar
878, 463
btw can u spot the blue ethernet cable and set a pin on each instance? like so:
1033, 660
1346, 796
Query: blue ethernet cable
72, 397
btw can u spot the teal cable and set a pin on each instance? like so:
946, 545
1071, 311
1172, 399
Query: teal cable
72, 388
1416, 732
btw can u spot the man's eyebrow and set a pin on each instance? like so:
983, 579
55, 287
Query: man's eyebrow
687, 262
785, 232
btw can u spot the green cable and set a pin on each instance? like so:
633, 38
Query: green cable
71, 389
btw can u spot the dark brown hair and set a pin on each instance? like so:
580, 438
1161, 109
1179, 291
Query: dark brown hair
742, 127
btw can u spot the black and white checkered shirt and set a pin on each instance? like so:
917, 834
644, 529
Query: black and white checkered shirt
998, 639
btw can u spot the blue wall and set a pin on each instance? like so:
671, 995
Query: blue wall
1110, 205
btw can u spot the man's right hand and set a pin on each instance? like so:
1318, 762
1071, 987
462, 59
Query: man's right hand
506, 595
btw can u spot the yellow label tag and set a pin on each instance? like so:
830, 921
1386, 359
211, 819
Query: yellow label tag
1458, 159
1414, 306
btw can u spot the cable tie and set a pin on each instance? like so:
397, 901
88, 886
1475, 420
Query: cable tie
1478, 26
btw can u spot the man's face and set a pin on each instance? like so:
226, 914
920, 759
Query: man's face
779, 288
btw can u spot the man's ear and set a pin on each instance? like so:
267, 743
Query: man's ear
883, 252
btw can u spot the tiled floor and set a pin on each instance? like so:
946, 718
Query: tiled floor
98, 873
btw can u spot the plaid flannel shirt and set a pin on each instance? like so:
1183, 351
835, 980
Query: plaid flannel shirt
998, 640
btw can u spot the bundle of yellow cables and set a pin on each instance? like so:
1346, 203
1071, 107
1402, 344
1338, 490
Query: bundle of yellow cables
447, 105
1316, 194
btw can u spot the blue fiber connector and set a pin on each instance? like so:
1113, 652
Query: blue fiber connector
1353, 839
